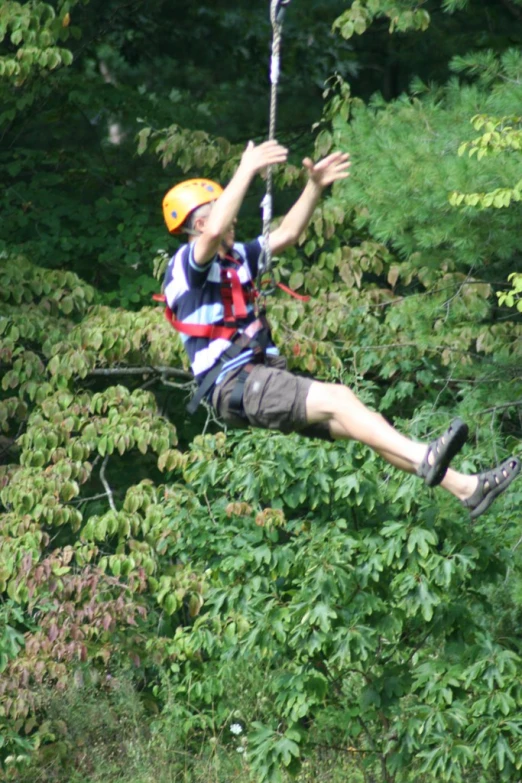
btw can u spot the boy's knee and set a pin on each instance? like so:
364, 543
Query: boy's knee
339, 395
341, 398
327, 401
331, 397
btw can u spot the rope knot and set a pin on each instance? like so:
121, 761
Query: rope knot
278, 9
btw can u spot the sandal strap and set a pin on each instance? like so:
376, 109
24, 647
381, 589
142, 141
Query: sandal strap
442, 450
491, 480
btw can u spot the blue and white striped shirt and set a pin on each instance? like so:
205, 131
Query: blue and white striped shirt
193, 293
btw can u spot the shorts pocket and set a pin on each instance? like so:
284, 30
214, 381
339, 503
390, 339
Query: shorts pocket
269, 398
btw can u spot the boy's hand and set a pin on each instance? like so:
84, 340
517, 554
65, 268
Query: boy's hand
256, 158
329, 169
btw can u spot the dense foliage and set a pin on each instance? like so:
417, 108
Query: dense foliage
178, 602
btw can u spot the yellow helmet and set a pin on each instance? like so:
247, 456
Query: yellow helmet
184, 198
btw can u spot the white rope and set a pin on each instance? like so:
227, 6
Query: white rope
277, 8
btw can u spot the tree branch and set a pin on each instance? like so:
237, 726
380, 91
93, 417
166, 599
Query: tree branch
517, 544
341, 748
105, 483
79, 501
166, 371
515, 404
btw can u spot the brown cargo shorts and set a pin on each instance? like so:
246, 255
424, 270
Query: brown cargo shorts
273, 399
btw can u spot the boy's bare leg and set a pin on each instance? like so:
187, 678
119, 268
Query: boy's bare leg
348, 417
459, 484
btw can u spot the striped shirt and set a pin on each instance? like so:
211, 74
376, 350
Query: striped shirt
193, 293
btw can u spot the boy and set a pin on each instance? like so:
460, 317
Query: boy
209, 286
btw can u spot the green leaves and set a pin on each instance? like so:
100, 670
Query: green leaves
306, 589
189, 149
35, 30
421, 540
270, 751
512, 298
501, 135
362, 12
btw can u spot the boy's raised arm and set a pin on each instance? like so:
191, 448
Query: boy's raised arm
320, 175
215, 226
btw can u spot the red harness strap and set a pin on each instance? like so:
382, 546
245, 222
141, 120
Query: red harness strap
210, 331
234, 302
232, 295
287, 290
234, 299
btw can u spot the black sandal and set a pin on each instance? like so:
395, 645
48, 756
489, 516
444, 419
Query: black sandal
443, 450
490, 485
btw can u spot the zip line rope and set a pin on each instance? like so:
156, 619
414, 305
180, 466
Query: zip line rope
277, 9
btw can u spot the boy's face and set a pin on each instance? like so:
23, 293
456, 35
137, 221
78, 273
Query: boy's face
228, 238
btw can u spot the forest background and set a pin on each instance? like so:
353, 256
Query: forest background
178, 602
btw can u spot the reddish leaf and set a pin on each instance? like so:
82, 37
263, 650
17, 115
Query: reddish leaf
53, 633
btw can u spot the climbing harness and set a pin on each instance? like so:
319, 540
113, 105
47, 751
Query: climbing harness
254, 337
235, 297
277, 9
